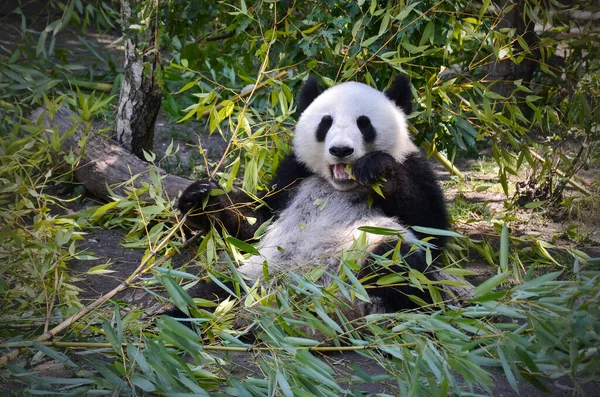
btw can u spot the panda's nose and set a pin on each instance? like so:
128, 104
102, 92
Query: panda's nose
341, 151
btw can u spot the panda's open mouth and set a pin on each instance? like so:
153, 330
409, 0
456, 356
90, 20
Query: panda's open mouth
342, 172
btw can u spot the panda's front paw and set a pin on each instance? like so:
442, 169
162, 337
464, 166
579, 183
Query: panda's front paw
194, 195
372, 167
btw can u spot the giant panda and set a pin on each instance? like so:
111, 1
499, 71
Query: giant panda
353, 165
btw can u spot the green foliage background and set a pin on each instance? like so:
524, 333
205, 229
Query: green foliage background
236, 66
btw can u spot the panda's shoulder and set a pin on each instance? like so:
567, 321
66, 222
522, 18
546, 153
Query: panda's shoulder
416, 162
415, 167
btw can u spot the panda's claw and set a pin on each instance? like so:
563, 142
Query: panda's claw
372, 167
194, 195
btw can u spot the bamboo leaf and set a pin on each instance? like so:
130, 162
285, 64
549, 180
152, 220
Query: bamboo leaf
382, 231
53, 354
391, 279
487, 286
360, 291
301, 341
105, 208
179, 297
510, 376
284, 385
111, 336
535, 204
369, 41
244, 246
143, 383
385, 21
100, 269
436, 232
174, 273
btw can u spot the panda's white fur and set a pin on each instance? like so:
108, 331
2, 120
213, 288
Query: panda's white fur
319, 224
345, 103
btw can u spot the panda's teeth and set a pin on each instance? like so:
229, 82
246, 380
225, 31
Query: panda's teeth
339, 171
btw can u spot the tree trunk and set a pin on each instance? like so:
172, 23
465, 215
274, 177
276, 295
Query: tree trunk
141, 93
104, 163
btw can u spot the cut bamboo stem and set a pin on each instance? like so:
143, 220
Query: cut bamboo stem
249, 349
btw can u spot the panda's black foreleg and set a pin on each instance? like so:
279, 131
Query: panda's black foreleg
395, 297
205, 204
229, 210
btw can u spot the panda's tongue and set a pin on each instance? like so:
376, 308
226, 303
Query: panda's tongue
339, 171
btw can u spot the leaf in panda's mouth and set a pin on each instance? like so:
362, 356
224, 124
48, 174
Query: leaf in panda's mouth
342, 172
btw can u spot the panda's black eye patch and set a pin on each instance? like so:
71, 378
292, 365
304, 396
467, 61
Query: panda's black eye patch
323, 127
366, 128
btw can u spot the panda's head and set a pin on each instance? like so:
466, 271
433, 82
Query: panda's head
343, 123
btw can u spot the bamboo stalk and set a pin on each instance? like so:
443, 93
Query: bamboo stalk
443, 160
250, 349
141, 269
91, 85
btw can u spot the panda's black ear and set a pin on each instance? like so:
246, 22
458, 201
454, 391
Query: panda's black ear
401, 94
310, 90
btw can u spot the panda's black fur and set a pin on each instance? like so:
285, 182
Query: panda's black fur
360, 126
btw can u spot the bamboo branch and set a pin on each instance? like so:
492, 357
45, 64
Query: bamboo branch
443, 160
239, 97
216, 37
247, 93
576, 185
220, 36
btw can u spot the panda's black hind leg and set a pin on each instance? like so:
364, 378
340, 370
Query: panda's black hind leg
396, 297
